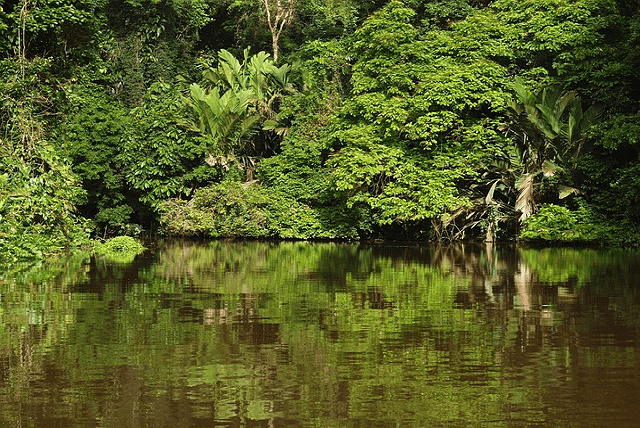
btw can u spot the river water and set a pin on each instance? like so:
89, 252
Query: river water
296, 334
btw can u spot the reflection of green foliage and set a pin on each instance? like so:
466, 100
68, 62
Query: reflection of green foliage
66, 269
288, 330
560, 265
329, 278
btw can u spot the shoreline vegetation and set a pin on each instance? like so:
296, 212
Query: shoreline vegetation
453, 120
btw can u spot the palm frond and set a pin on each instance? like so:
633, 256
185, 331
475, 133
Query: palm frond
525, 203
241, 102
564, 101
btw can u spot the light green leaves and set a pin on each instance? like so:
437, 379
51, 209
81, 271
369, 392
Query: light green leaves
244, 96
395, 184
401, 133
225, 118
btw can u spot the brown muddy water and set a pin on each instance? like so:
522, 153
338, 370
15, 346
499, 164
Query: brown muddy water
249, 334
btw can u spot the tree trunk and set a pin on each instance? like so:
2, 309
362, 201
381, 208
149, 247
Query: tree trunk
279, 14
274, 44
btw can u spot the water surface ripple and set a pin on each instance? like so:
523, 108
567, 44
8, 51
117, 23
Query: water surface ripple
297, 334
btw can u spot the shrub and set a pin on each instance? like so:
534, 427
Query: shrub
122, 249
554, 223
233, 209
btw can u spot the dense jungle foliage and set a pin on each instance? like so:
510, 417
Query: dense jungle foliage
332, 119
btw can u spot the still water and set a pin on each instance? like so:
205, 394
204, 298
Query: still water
247, 334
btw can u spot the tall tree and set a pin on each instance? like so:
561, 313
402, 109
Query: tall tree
279, 13
408, 130
274, 15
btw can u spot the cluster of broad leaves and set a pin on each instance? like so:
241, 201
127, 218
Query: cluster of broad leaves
239, 100
451, 119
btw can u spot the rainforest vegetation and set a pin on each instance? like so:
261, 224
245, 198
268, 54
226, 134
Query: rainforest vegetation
318, 119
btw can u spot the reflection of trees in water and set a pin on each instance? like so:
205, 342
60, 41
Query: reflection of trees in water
500, 279
317, 329
551, 302
537, 289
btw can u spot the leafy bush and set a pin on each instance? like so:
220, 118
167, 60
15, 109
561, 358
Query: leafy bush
38, 191
554, 223
160, 159
91, 137
122, 249
122, 244
232, 209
